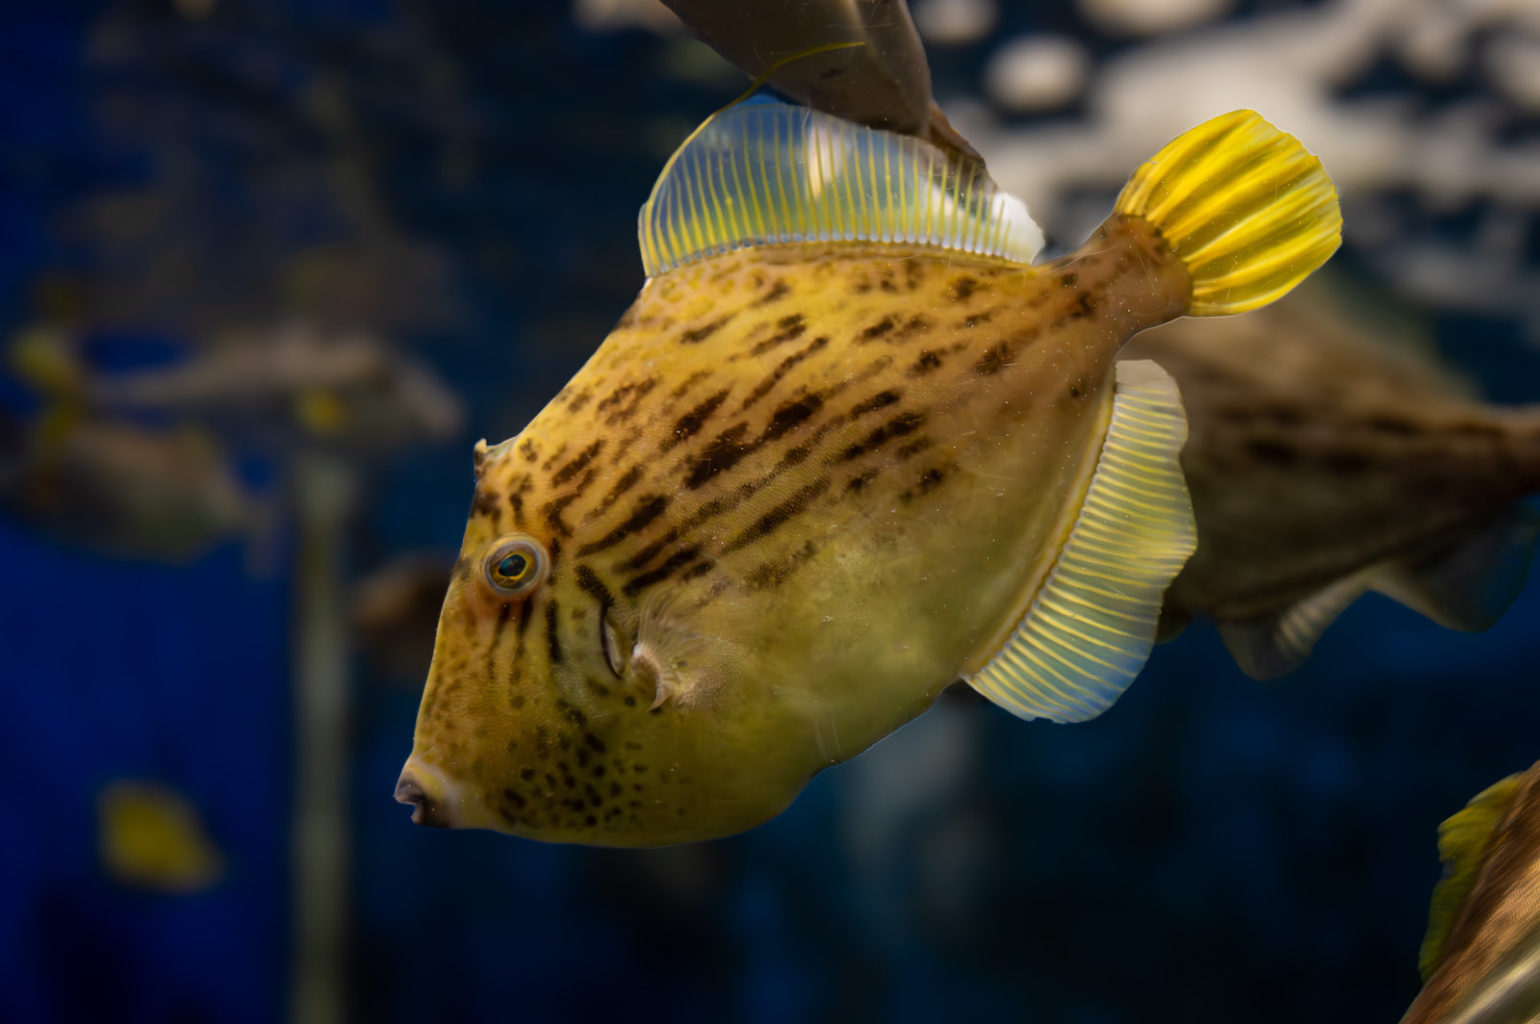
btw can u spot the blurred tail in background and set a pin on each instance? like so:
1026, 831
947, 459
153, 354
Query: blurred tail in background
117, 486
1328, 457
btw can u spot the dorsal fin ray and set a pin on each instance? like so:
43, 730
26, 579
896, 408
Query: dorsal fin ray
769, 173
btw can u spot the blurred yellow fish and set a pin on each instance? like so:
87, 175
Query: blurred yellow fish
847, 447
151, 837
1481, 959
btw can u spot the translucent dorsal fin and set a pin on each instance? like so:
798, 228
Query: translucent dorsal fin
1093, 623
768, 173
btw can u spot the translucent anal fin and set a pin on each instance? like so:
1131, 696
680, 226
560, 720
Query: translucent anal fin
1093, 623
1273, 645
1468, 585
768, 173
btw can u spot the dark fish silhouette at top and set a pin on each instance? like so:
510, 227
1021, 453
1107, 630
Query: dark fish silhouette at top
882, 83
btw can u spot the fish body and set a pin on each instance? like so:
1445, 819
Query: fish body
1324, 463
808, 482
1481, 958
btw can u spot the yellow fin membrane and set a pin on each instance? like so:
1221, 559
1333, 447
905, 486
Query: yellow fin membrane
1245, 207
1462, 844
1092, 624
769, 173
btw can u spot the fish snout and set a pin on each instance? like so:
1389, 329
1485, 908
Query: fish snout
423, 789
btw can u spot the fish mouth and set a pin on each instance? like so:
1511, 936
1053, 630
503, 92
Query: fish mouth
431, 797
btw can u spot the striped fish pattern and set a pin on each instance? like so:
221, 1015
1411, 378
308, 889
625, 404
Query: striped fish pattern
798, 491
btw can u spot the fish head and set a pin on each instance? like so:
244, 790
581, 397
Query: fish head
560, 709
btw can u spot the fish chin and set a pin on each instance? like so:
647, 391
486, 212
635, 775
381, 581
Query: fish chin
437, 799
635, 801
560, 769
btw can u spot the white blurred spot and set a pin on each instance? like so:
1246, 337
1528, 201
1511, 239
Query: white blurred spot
954, 22
1152, 17
1037, 73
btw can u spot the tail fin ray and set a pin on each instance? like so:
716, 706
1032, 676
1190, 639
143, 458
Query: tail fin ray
1248, 211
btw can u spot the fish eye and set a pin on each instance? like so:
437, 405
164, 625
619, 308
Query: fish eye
515, 566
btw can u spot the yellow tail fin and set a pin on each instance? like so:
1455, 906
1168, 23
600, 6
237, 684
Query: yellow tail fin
1245, 207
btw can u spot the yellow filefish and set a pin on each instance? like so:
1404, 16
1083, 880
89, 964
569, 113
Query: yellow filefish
1480, 961
848, 446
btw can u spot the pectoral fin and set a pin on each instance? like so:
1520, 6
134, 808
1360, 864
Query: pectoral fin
1091, 627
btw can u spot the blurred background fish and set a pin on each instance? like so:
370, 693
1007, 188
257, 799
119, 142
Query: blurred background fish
1480, 960
1326, 458
393, 611
153, 838
459, 182
168, 491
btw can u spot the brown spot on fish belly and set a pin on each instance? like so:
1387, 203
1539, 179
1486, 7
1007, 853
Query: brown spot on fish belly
679, 559
571, 469
878, 329
771, 574
961, 289
789, 415
790, 328
723, 453
880, 400
763, 387
696, 335
628, 480
688, 425
780, 515
592, 585
647, 509
898, 426
928, 360
930, 479
778, 290
552, 640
